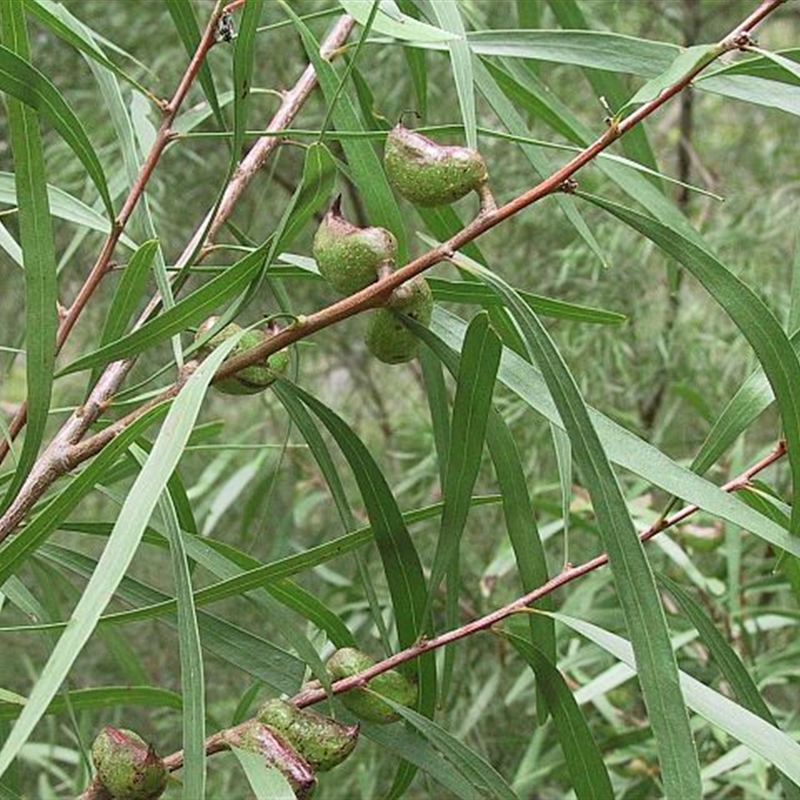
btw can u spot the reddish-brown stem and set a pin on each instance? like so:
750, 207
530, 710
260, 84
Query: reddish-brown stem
66, 449
314, 693
100, 268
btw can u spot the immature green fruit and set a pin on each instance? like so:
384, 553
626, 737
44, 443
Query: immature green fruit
350, 258
250, 380
387, 338
347, 662
322, 741
127, 766
277, 752
431, 174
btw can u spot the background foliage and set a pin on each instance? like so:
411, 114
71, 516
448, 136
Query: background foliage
678, 321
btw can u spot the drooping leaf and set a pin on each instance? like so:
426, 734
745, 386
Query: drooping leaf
634, 582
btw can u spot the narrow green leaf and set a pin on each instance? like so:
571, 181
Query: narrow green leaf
521, 524
687, 60
102, 697
401, 562
38, 249
64, 206
438, 405
622, 446
747, 310
584, 760
188, 311
729, 662
183, 17
753, 397
480, 359
243, 55
190, 654
755, 91
391, 21
449, 18
266, 782
119, 551
466, 292
313, 193
366, 168
759, 736
615, 52
413, 748
481, 775
24, 82
633, 579
127, 297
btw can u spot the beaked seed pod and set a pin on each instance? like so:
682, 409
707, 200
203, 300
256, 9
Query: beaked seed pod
277, 752
348, 257
128, 768
250, 380
428, 173
387, 338
322, 741
392, 684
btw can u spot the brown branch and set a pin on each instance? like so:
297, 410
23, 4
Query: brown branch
101, 265
314, 693
66, 449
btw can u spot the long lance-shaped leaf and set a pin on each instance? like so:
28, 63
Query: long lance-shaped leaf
482, 775
476, 378
729, 662
449, 18
127, 297
633, 579
251, 654
190, 654
589, 776
747, 310
119, 551
186, 312
24, 82
401, 562
39, 257
399, 556
755, 733
623, 447
243, 54
520, 520
367, 170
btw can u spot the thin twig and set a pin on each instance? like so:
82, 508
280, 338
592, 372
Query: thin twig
101, 265
314, 693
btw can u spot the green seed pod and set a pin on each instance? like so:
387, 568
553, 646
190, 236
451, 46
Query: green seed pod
347, 662
322, 741
250, 380
387, 338
277, 752
128, 768
348, 257
431, 174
